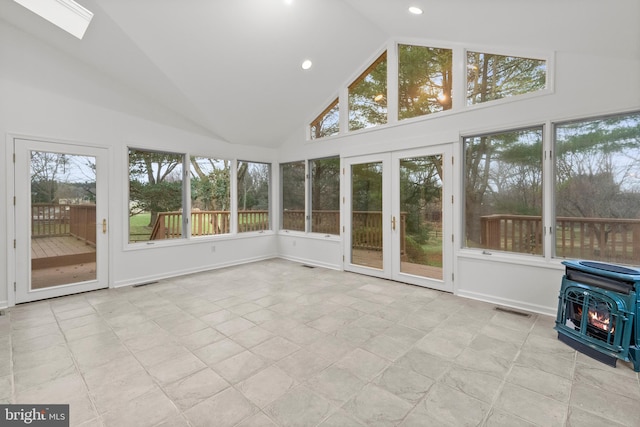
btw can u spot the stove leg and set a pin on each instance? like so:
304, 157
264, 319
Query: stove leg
634, 355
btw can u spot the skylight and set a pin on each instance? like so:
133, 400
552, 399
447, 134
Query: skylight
66, 14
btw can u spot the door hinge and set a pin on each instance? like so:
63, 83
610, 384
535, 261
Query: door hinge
343, 171
452, 199
452, 160
342, 258
343, 200
452, 277
452, 238
14, 157
14, 286
14, 200
14, 243
343, 228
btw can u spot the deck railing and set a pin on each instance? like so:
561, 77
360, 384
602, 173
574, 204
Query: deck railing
56, 220
612, 239
168, 225
367, 230
82, 222
322, 221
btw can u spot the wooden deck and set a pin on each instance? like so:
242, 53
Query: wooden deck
373, 259
48, 252
59, 260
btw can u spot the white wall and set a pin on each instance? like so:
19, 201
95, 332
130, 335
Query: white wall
49, 95
585, 85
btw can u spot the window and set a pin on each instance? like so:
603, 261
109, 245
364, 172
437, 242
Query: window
253, 196
597, 184
292, 194
368, 96
491, 77
327, 123
155, 195
325, 195
503, 191
424, 80
210, 196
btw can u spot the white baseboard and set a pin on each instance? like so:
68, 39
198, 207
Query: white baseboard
519, 305
178, 273
311, 262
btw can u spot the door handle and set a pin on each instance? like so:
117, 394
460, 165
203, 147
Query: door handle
393, 223
104, 226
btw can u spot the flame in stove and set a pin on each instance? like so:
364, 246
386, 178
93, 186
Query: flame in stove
600, 320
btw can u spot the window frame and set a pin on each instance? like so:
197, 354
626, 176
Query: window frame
544, 174
270, 215
309, 188
553, 223
548, 57
185, 201
231, 191
334, 104
396, 80
459, 83
281, 227
382, 56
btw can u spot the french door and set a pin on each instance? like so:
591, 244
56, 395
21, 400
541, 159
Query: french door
398, 216
60, 219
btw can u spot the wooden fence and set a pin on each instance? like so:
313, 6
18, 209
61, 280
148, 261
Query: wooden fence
613, 239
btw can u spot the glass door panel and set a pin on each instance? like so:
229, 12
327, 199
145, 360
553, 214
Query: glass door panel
63, 219
366, 215
420, 219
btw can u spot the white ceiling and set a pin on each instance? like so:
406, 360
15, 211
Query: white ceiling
232, 67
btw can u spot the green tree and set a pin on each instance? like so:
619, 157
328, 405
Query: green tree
424, 80
491, 77
368, 96
155, 182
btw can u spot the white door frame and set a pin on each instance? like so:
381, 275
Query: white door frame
391, 208
21, 224
348, 162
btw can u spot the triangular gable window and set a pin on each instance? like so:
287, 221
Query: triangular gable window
368, 96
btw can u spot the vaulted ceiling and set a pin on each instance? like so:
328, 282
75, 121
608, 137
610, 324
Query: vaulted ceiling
232, 67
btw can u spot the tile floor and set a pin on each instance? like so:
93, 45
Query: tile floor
276, 343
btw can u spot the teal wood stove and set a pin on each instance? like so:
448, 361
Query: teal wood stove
599, 311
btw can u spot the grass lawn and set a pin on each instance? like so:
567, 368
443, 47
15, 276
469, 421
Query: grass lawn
139, 229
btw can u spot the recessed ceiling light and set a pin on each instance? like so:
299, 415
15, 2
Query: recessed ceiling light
288, 1
306, 64
415, 10
66, 14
